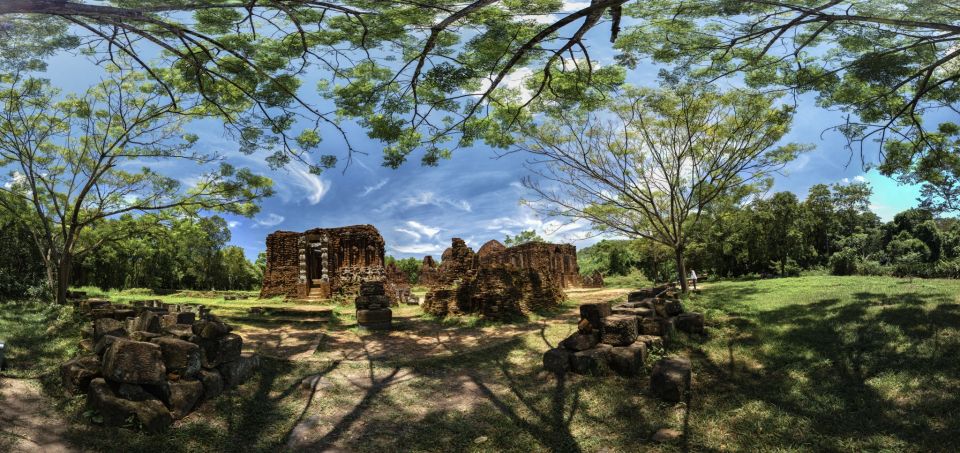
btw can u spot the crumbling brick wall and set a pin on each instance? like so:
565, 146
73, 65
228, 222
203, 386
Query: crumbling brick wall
496, 292
429, 274
594, 280
283, 265
557, 260
456, 262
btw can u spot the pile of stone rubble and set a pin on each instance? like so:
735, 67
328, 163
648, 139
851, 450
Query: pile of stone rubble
151, 363
618, 339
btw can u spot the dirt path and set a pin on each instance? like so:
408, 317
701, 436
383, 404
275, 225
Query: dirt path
27, 423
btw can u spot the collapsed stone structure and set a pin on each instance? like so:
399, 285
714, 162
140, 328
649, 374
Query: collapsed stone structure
594, 280
618, 339
322, 262
498, 281
153, 362
429, 272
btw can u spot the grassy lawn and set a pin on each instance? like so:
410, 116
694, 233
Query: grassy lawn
800, 364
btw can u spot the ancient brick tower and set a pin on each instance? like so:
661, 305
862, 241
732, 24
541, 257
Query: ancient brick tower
321, 262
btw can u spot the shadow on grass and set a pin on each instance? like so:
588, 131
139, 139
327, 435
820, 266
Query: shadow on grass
878, 371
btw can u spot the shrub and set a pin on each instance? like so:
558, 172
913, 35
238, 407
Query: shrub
946, 269
844, 262
871, 267
791, 268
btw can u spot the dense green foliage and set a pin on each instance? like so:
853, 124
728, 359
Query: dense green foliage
609, 257
21, 267
409, 266
522, 237
185, 253
833, 228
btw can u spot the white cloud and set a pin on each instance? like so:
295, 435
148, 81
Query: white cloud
314, 186
370, 189
414, 234
271, 220
425, 230
233, 224
425, 198
860, 178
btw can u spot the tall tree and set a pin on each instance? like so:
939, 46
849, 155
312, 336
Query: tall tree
67, 158
887, 63
650, 163
937, 169
246, 61
522, 237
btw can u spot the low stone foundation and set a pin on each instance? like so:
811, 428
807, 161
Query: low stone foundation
152, 363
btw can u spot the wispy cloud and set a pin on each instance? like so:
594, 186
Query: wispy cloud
413, 234
233, 224
370, 189
426, 198
419, 249
314, 186
425, 230
271, 220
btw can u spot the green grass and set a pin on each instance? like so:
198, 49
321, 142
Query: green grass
634, 279
797, 364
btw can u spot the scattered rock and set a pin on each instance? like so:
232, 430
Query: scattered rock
151, 414
183, 396
134, 362
595, 312
107, 326
619, 330
181, 358
146, 321
591, 361
628, 360
77, 373
212, 383
210, 328
670, 378
581, 342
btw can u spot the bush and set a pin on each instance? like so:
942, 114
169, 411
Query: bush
791, 268
871, 267
844, 262
946, 269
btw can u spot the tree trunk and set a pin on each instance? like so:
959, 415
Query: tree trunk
63, 279
681, 268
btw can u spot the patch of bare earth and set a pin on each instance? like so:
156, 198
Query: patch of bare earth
26, 417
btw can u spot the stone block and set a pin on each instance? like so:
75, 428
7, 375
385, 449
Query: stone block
581, 342
212, 383
372, 289
670, 378
592, 361
121, 314
595, 312
650, 326
557, 360
151, 414
86, 345
239, 371
689, 322
650, 341
183, 396
619, 330
375, 319
585, 327
372, 302
215, 352
77, 373
140, 335
628, 360
182, 317
146, 321
181, 331
673, 307
181, 358
101, 346
107, 326
134, 362
210, 328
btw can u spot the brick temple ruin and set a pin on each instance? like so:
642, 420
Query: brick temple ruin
322, 262
499, 281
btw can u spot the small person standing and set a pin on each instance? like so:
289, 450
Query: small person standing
693, 278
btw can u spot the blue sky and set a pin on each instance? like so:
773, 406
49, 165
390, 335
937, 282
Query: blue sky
474, 195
